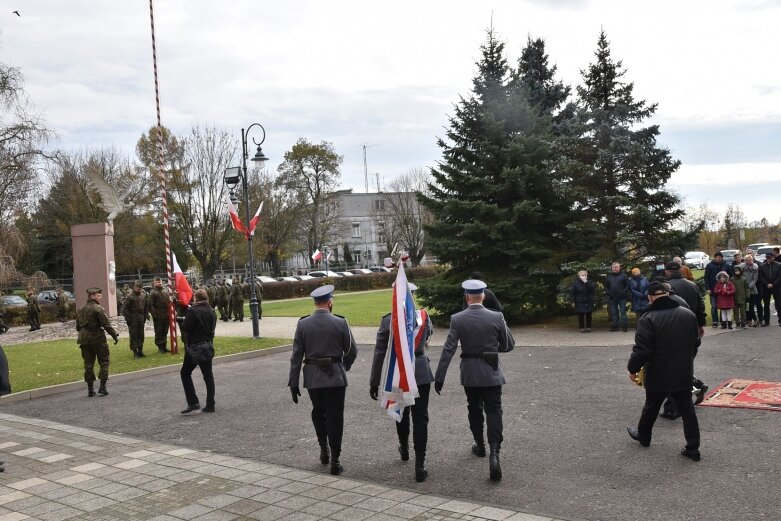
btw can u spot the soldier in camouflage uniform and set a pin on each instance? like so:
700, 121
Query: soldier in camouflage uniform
33, 311
158, 307
62, 305
223, 301
92, 325
237, 301
121, 296
135, 311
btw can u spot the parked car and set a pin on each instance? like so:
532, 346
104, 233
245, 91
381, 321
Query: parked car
13, 301
50, 296
264, 279
303, 277
754, 247
344, 273
729, 256
328, 273
696, 259
380, 269
361, 271
762, 251
287, 279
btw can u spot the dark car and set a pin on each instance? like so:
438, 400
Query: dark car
50, 296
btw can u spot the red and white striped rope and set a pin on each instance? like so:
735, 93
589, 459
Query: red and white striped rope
161, 174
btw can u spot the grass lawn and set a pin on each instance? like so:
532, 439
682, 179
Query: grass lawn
364, 308
39, 364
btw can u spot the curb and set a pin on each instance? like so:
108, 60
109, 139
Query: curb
133, 375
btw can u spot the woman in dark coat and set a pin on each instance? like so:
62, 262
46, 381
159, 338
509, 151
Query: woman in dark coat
198, 326
583, 298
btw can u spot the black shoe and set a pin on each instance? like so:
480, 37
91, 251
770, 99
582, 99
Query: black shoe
478, 449
420, 466
692, 454
191, 408
614, 329
701, 395
163, 350
588, 330
625, 329
636, 436
141, 353
715, 325
765, 324
495, 470
404, 451
336, 467
90, 391
325, 454
136, 355
582, 330
208, 408
102, 389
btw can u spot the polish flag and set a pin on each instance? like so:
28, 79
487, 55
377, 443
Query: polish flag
254, 222
317, 255
184, 292
328, 257
234, 215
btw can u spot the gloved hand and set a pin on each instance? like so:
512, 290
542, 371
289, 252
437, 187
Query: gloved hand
116, 340
374, 392
295, 393
438, 386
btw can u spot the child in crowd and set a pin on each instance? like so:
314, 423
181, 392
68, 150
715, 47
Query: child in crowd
725, 298
741, 296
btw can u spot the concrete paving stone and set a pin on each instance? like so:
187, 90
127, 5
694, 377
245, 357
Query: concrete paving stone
370, 489
130, 464
157, 471
300, 516
461, 507
54, 476
28, 451
113, 460
298, 502
92, 448
75, 500
44, 487
126, 494
41, 508
190, 511
247, 477
407, 510
180, 463
247, 491
217, 515
14, 516
296, 487
56, 457
273, 470
323, 508
183, 475
243, 506
8, 444
105, 472
320, 479
321, 493
251, 466
75, 478
345, 484
88, 467
155, 457
347, 498
22, 504
95, 504
520, 516
297, 475
272, 482
179, 452
381, 516
219, 501
164, 518
492, 513
90, 484
224, 472
400, 496
108, 488
129, 477
139, 454
13, 496
269, 513
271, 496
351, 514
376, 504
60, 514
58, 493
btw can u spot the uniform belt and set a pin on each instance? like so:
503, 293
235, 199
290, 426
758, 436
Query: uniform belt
323, 361
489, 357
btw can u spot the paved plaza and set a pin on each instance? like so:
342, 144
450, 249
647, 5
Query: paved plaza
566, 454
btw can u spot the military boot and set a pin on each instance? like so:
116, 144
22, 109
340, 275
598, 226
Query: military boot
404, 449
135, 354
102, 389
336, 467
90, 390
420, 467
141, 352
325, 455
493, 463
478, 447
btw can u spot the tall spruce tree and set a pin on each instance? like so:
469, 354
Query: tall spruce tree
617, 172
494, 200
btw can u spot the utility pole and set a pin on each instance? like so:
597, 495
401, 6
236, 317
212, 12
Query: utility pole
365, 169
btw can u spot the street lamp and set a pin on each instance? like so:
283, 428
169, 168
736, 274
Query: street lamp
231, 178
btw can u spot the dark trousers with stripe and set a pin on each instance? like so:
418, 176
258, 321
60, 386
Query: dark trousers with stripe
328, 416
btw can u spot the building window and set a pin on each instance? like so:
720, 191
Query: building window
357, 256
356, 229
379, 204
381, 237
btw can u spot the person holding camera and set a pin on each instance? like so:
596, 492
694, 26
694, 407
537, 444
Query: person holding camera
198, 327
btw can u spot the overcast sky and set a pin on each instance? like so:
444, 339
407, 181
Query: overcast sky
386, 74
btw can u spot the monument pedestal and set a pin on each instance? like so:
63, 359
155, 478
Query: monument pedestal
93, 257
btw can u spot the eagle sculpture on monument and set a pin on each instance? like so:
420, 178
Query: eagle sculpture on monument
111, 201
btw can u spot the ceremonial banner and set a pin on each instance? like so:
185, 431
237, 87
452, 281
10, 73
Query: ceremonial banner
400, 388
184, 292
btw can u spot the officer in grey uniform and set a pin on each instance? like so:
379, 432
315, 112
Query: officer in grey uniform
324, 344
423, 378
483, 335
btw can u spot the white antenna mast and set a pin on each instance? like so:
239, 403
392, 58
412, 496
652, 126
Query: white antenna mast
365, 170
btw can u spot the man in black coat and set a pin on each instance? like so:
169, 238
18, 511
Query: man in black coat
617, 288
770, 286
666, 342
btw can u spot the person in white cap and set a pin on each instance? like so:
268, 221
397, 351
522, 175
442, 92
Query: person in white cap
483, 335
324, 344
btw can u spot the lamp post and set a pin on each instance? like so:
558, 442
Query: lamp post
231, 178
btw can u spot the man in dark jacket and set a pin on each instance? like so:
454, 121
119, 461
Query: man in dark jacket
712, 269
159, 300
666, 342
617, 288
770, 286
688, 291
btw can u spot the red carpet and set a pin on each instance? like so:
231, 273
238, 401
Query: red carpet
747, 394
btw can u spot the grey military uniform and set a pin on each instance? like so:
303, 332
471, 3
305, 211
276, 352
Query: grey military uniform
318, 336
423, 374
479, 330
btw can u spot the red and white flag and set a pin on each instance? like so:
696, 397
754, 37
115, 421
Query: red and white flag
184, 293
254, 222
317, 255
235, 221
